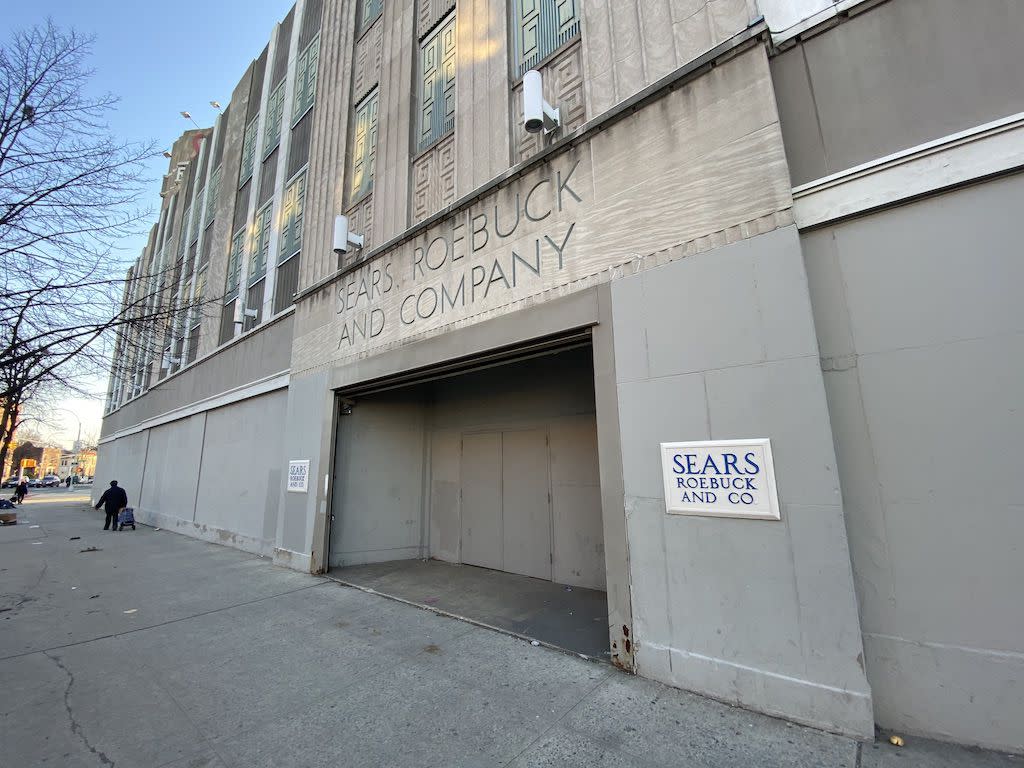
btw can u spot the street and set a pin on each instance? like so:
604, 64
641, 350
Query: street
150, 649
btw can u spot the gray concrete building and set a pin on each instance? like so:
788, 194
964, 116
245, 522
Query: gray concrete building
735, 345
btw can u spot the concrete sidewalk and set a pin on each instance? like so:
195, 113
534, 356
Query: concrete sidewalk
159, 650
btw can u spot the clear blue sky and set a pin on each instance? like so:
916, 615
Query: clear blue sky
159, 59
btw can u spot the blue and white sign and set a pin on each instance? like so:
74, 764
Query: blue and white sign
720, 478
298, 476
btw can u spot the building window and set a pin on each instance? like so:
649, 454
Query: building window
248, 152
305, 79
235, 263
197, 299
540, 28
211, 196
183, 233
364, 147
261, 243
291, 217
436, 114
193, 235
275, 111
369, 11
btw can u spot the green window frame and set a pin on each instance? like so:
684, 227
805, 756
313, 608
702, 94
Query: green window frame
183, 233
193, 234
369, 12
364, 147
248, 152
211, 196
291, 217
305, 79
198, 296
435, 116
540, 28
275, 112
261, 242
235, 264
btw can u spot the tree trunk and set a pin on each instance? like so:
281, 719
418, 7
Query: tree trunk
8, 421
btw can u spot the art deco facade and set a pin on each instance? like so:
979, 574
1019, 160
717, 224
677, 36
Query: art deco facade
758, 219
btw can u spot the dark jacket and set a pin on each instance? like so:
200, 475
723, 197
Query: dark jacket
113, 500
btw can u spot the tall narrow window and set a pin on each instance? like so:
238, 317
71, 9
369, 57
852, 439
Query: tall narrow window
541, 27
436, 114
364, 147
248, 152
291, 218
183, 232
368, 11
211, 196
275, 111
305, 79
235, 263
261, 243
197, 301
193, 234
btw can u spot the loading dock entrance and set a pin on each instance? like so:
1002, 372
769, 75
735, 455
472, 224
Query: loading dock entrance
493, 465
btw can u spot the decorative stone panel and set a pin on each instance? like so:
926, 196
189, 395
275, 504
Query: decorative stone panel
429, 12
433, 179
367, 59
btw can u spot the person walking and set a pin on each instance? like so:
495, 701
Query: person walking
68, 481
21, 490
113, 500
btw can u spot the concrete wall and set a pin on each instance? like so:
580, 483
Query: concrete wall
214, 475
554, 393
916, 70
921, 330
123, 461
721, 345
261, 353
242, 470
379, 480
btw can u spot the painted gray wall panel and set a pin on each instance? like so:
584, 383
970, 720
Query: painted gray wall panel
379, 480
173, 466
916, 70
242, 468
310, 435
265, 352
731, 353
976, 295
526, 502
124, 461
445, 466
578, 545
921, 336
481, 500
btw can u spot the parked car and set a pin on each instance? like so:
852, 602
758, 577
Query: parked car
51, 481
11, 481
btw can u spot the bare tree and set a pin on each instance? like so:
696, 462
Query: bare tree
69, 192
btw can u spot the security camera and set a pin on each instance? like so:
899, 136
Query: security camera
538, 115
343, 238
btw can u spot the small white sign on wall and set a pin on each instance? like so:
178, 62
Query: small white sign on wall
720, 478
298, 476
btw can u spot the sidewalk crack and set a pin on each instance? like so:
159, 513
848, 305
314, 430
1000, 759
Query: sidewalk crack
76, 727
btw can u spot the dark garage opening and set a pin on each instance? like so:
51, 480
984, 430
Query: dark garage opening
478, 494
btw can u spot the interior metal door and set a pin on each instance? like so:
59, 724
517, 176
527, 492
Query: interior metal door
481, 499
526, 507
